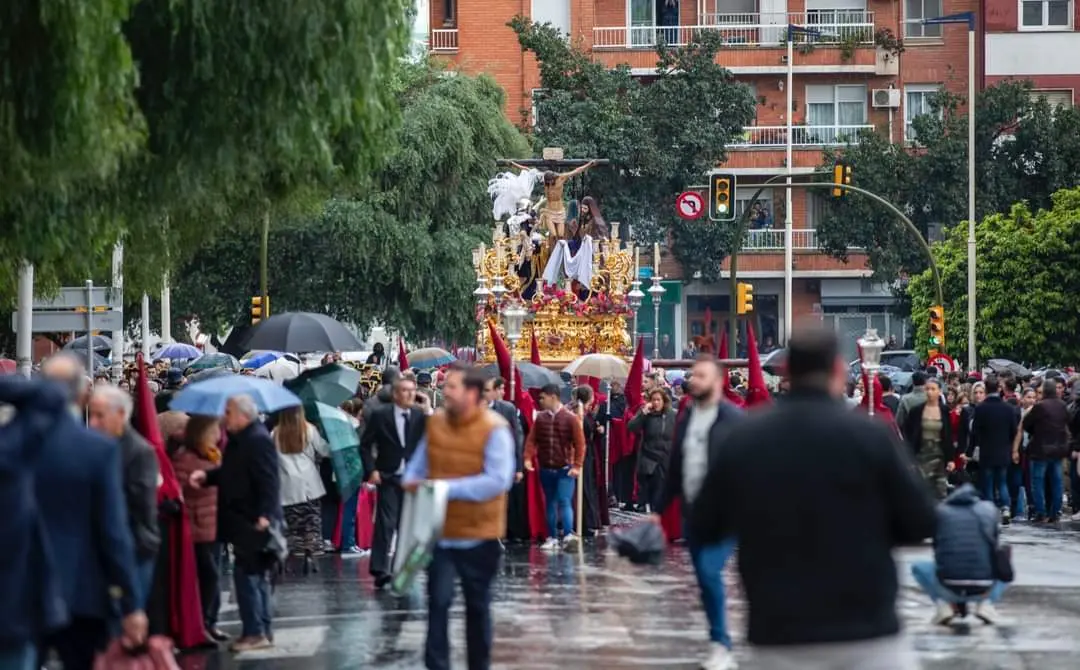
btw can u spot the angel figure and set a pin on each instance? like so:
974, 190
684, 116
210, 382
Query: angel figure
553, 213
507, 190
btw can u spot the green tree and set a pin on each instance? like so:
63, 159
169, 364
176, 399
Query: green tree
1027, 280
396, 248
1025, 150
661, 135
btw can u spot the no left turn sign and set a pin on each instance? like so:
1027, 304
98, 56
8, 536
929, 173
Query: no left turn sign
690, 205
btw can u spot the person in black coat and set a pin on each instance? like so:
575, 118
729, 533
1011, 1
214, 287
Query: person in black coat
83, 512
517, 513
777, 485
656, 423
993, 431
1048, 424
391, 434
249, 502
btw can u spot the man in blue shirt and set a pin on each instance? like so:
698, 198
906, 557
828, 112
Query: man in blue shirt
471, 449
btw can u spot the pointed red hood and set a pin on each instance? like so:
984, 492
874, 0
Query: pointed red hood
534, 349
502, 357
146, 424
635, 381
757, 390
403, 359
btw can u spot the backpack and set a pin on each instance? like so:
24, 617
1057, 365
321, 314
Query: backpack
31, 603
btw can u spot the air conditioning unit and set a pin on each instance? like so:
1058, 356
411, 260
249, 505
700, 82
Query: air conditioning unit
885, 98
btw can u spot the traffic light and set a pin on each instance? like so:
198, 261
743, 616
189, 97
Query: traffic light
722, 197
744, 298
841, 175
258, 311
937, 329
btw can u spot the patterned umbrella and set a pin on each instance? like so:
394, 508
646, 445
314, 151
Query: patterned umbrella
430, 358
338, 431
213, 361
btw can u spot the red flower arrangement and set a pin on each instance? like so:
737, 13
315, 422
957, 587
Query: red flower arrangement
599, 303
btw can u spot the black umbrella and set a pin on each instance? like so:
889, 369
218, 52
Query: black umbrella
532, 376
100, 343
301, 333
1002, 365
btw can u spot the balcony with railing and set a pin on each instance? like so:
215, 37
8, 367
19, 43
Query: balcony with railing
775, 137
772, 239
853, 28
444, 40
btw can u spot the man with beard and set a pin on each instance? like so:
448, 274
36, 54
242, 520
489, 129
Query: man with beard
696, 448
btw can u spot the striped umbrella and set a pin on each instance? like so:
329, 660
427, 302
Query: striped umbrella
430, 358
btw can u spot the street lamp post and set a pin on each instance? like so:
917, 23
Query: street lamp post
871, 347
513, 317
969, 19
634, 298
656, 291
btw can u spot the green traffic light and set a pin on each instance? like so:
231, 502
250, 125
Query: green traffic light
934, 340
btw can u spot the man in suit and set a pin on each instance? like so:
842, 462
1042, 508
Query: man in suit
993, 431
390, 437
82, 506
110, 414
697, 441
493, 394
249, 500
822, 594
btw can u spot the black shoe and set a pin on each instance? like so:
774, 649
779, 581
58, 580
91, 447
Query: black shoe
382, 581
1054, 519
628, 507
1039, 518
217, 635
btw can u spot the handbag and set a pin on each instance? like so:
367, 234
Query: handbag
156, 654
1000, 556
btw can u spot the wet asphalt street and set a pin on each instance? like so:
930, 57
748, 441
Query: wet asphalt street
563, 611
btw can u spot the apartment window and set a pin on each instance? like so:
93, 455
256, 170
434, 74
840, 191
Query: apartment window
449, 12
555, 12
917, 11
764, 215
834, 113
817, 207
1055, 98
538, 94
917, 98
836, 12
1045, 14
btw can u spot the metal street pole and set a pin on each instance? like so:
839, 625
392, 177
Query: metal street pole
166, 309
145, 327
656, 291
24, 339
972, 357
789, 259
118, 335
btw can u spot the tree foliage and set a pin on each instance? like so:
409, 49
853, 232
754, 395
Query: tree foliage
396, 248
1024, 150
161, 122
661, 135
1027, 280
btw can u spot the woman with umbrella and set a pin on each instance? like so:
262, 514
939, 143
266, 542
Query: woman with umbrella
300, 449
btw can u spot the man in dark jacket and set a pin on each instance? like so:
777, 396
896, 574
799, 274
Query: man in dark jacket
493, 393
993, 431
1048, 423
963, 570
385, 395
777, 485
80, 503
249, 500
695, 451
110, 414
656, 424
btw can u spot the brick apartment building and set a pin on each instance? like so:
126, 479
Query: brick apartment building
1036, 40
845, 83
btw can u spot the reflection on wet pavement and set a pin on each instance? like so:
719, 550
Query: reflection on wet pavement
565, 612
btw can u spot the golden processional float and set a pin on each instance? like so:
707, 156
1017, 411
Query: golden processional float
554, 269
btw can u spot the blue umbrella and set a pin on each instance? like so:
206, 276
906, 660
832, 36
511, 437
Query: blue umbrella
177, 351
209, 397
254, 360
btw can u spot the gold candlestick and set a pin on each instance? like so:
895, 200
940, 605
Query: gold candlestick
656, 257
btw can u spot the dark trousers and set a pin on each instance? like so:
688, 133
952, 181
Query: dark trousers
623, 484
331, 509
387, 516
649, 487
208, 566
476, 567
80, 642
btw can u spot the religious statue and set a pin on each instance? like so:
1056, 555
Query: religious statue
553, 210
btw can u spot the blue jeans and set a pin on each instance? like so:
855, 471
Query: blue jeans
558, 488
925, 574
20, 657
1039, 471
476, 567
348, 522
254, 601
709, 561
996, 480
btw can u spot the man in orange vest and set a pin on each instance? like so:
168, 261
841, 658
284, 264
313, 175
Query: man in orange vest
471, 448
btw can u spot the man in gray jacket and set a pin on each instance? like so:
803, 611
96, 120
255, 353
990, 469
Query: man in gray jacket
914, 399
963, 570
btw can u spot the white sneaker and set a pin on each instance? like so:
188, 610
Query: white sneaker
986, 613
944, 615
720, 658
1075, 517
571, 542
550, 544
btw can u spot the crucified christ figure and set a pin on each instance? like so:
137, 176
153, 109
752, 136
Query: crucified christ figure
553, 213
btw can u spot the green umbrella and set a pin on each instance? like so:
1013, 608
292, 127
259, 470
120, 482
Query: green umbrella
337, 429
209, 361
331, 384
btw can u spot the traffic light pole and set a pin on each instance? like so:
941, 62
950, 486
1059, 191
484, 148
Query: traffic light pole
744, 221
264, 265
